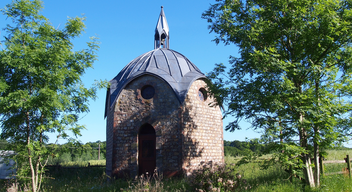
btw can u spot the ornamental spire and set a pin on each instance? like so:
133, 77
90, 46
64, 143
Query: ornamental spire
162, 36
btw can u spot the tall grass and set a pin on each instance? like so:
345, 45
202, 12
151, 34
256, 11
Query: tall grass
95, 179
272, 179
276, 179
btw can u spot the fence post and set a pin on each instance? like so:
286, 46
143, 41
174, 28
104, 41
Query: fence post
99, 152
348, 165
321, 165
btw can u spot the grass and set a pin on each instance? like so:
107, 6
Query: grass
94, 179
259, 180
83, 163
276, 179
338, 154
271, 179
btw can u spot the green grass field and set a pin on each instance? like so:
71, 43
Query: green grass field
83, 163
271, 179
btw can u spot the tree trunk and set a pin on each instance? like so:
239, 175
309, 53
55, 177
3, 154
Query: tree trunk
34, 186
315, 139
39, 173
307, 169
317, 164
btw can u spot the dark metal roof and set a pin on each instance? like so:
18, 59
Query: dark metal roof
171, 66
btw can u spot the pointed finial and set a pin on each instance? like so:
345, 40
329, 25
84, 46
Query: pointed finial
162, 36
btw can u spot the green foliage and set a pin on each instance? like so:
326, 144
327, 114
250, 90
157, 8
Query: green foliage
292, 79
3, 144
40, 86
233, 151
63, 158
75, 151
283, 52
213, 177
242, 148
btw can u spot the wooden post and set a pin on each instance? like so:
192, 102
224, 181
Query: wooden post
321, 166
348, 165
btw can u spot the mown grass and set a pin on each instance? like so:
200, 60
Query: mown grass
259, 180
83, 163
338, 154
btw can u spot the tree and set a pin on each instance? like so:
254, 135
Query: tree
3, 144
40, 84
293, 76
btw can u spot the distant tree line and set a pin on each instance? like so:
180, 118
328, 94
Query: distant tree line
256, 146
242, 148
75, 151
71, 151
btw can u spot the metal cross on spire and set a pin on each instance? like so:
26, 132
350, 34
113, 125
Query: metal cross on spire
162, 36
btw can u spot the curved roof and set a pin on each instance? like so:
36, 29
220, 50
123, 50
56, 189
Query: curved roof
171, 66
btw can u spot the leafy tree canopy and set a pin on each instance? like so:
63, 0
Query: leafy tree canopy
292, 79
40, 83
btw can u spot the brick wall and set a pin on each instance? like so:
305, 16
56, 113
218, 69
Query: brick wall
203, 129
131, 112
185, 134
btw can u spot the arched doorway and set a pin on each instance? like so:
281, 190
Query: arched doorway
146, 149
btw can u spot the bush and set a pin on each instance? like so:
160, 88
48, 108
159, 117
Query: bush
86, 156
65, 157
233, 151
214, 177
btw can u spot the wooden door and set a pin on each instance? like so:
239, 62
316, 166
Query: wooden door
147, 150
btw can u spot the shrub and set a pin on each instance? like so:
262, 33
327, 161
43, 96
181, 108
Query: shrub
65, 157
215, 177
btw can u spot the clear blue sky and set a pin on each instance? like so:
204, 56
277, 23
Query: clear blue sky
126, 30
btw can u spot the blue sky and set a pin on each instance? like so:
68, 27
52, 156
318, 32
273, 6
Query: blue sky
126, 30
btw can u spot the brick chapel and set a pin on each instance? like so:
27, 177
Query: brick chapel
158, 114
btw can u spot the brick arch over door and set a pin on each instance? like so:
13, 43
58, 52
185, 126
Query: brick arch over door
146, 149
